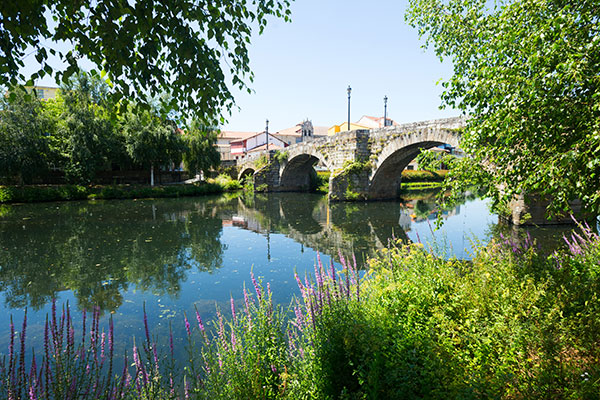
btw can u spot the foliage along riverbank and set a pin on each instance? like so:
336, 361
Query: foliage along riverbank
412, 180
416, 181
42, 193
511, 324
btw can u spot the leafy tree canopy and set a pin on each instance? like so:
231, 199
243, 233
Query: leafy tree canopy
143, 47
202, 153
149, 140
23, 137
528, 75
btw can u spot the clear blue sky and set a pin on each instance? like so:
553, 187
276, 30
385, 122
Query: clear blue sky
302, 68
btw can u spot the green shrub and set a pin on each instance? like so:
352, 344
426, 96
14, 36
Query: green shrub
320, 182
226, 182
423, 176
32, 194
261, 162
281, 156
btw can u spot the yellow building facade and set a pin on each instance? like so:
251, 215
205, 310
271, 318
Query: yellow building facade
43, 92
344, 127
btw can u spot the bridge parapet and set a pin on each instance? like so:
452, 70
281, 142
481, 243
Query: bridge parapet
382, 154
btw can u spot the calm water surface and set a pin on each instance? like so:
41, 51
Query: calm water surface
174, 254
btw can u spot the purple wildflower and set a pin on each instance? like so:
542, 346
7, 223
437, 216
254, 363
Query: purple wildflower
557, 259
83, 333
233, 341
186, 388
139, 366
32, 395
256, 287
111, 332
146, 325
171, 339
47, 353
199, 320
187, 325
33, 369
102, 345
124, 376
232, 309
221, 330
11, 351
335, 290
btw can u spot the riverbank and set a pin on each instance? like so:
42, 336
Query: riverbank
45, 193
412, 181
510, 324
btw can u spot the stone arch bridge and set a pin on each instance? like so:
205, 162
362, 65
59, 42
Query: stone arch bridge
364, 164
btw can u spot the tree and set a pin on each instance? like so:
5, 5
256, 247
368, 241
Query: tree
142, 47
201, 153
24, 146
86, 138
150, 141
527, 74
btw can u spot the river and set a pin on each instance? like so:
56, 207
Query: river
174, 254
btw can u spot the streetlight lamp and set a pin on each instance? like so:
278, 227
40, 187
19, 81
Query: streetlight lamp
267, 134
385, 111
349, 90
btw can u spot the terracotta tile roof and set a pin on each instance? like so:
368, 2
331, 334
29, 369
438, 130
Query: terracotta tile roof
236, 135
264, 147
295, 130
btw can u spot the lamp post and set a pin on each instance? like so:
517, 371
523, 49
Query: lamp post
267, 134
384, 111
349, 90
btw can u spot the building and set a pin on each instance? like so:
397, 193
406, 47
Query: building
256, 142
43, 92
233, 144
344, 127
301, 132
375, 122
224, 139
365, 122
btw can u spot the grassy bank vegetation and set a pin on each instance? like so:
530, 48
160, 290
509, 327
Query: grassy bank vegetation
511, 324
320, 182
42, 193
411, 180
423, 176
418, 180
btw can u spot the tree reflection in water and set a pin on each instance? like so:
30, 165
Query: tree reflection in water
100, 250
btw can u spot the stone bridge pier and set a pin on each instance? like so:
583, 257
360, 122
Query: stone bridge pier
364, 164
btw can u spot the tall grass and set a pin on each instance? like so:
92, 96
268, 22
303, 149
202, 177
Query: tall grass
510, 324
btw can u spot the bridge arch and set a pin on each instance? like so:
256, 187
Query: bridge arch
296, 171
245, 173
384, 182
